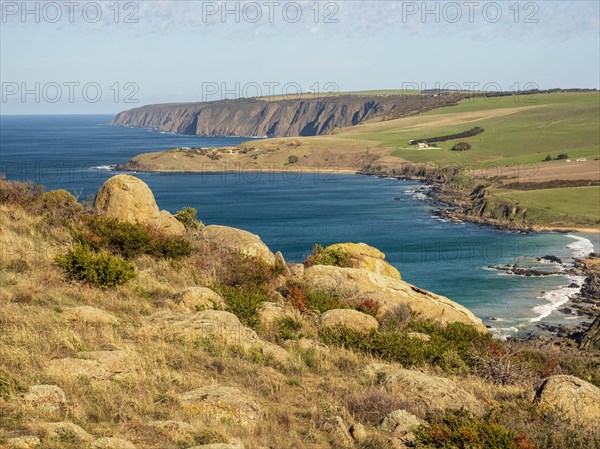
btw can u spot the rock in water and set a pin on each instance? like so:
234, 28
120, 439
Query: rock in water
127, 198
577, 399
366, 257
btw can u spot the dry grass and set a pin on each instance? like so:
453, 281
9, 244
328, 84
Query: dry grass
297, 397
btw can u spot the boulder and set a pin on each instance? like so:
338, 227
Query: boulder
71, 367
63, 431
46, 400
390, 293
366, 257
218, 446
196, 299
297, 270
112, 361
269, 313
577, 399
350, 319
358, 432
215, 325
129, 199
430, 393
112, 443
174, 430
338, 431
402, 424
212, 324
239, 241
90, 314
24, 442
222, 404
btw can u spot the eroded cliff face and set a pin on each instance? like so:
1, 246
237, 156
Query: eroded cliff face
281, 118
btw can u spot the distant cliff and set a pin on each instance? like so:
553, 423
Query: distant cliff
280, 118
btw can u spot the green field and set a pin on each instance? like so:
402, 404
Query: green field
555, 123
566, 206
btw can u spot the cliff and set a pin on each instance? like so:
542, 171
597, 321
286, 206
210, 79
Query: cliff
279, 118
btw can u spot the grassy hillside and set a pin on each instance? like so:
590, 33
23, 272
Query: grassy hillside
124, 363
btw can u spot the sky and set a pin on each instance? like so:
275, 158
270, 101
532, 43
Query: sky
87, 57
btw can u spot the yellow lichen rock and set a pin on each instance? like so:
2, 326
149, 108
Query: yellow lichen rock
127, 198
366, 257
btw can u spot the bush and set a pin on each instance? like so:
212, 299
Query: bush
547, 158
244, 302
562, 156
371, 406
470, 133
292, 160
187, 216
130, 239
323, 299
461, 146
99, 270
336, 257
458, 429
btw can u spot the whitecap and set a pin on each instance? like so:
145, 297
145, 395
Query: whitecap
556, 298
582, 247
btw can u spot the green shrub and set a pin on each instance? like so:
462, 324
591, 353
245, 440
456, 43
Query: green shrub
289, 328
461, 146
244, 302
562, 156
130, 239
323, 299
187, 216
97, 269
458, 429
336, 257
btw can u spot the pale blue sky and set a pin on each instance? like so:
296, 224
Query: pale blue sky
174, 48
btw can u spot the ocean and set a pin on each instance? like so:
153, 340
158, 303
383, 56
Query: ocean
293, 211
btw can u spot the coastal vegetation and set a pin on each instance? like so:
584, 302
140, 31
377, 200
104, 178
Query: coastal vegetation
227, 343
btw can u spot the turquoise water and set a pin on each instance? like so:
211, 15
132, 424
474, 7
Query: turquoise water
292, 211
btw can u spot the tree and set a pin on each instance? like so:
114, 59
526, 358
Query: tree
461, 146
562, 156
547, 158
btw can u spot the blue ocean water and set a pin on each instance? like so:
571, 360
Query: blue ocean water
292, 211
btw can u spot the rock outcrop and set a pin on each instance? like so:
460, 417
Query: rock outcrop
89, 314
366, 257
577, 399
401, 424
127, 198
47, 401
278, 118
430, 393
196, 299
237, 240
390, 292
350, 319
222, 404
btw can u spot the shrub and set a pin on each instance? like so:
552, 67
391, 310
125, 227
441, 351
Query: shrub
562, 156
371, 406
458, 429
187, 216
99, 270
131, 239
547, 158
336, 257
369, 306
289, 328
323, 299
292, 160
296, 296
461, 146
244, 302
